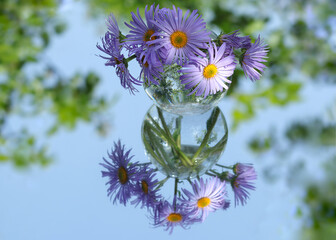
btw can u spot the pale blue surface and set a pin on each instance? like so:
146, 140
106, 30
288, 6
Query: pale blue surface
68, 199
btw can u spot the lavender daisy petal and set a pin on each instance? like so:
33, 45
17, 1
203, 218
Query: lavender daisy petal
253, 58
141, 32
113, 27
234, 41
151, 69
111, 48
126, 79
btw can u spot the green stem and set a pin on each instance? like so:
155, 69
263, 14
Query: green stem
223, 166
210, 174
160, 183
155, 141
130, 58
178, 131
175, 194
210, 125
185, 160
150, 150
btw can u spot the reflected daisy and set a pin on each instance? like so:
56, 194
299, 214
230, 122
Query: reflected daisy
207, 196
169, 217
253, 58
182, 36
209, 75
239, 168
120, 173
241, 183
145, 189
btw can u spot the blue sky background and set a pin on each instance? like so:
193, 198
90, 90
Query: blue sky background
67, 200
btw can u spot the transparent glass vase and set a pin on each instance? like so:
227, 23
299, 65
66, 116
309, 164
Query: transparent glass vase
171, 96
184, 146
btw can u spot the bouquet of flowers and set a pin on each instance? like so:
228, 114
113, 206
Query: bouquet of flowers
168, 38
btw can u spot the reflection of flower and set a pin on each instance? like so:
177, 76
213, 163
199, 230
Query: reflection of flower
207, 197
208, 76
253, 58
145, 190
239, 168
120, 173
242, 181
168, 216
181, 35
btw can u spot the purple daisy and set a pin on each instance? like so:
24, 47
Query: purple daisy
145, 189
120, 173
111, 48
141, 33
168, 216
207, 197
209, 75
150, 70
182, 36
234, 41
253, 58
241, 183
116, 59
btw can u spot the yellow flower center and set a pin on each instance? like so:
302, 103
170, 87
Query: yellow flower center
210, 71
174, 217
203, 202
122, 174
236, 184
178, 39
148, 35
144, 187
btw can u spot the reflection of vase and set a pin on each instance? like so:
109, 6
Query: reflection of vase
184, 146
171, 95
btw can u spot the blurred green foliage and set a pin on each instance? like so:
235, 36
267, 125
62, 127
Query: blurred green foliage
27, 27
320, 199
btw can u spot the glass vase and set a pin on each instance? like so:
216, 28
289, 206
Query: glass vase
171, 96
184, 146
